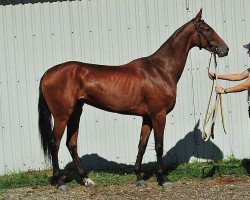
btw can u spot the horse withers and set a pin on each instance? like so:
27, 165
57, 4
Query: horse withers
144, 87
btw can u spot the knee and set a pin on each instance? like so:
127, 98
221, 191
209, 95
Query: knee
71, 147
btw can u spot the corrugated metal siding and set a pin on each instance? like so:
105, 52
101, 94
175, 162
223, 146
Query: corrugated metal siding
34, 37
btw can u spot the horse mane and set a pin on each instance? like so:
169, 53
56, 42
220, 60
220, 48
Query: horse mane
163, 48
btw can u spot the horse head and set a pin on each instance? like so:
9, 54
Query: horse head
205, 37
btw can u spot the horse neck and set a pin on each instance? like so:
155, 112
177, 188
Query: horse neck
174, 51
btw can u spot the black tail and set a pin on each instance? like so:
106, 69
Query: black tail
45, 125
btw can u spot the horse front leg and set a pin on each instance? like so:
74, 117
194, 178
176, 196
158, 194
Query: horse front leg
145, 133
159, 122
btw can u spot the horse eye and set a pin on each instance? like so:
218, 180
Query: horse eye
208, 29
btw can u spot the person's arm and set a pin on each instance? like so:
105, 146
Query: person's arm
230, 77
237, 88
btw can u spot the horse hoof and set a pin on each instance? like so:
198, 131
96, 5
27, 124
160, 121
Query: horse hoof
63, 188
141, 183
88, 182
166, 184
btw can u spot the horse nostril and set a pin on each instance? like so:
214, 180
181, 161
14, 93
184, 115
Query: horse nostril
227, 49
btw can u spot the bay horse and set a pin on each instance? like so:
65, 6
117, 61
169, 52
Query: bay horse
144, 87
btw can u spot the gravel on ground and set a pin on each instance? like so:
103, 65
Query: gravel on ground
218, 188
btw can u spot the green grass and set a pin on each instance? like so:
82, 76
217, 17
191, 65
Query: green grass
105, 178
24, 179
231, 166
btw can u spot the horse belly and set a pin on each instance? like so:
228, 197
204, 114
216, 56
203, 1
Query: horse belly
115, 99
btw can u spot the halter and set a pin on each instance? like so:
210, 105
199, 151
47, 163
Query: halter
199, 33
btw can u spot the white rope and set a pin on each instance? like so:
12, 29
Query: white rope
213, 113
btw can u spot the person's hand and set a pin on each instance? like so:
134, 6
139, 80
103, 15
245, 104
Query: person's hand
211, 75
219, 90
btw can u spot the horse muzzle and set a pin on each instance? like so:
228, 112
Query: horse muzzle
222, 51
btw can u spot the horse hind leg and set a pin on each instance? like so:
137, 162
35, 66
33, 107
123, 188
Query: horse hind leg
59, 127
145, 133
71, 143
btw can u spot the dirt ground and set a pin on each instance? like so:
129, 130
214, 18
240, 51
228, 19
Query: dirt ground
219, 188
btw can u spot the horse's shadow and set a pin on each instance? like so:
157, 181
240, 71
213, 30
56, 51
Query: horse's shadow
190, 147
93, 162
193, 148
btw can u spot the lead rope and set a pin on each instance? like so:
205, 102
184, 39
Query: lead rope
213, 113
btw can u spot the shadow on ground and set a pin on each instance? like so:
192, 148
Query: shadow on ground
191, 146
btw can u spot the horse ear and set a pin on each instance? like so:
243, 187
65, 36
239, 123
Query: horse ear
199, 15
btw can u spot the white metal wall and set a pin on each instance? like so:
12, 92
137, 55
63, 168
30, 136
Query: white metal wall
34, 37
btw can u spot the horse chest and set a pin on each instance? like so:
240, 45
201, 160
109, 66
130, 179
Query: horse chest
170, 99
162, 98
